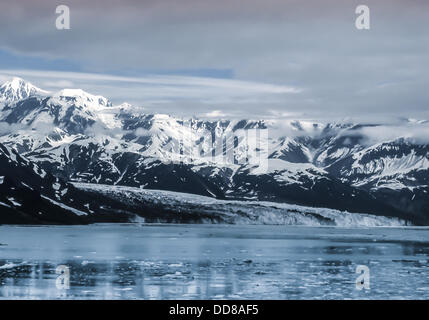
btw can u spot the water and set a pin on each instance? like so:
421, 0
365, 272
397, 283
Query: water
212, 262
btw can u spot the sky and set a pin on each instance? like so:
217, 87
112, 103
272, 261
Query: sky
228, 58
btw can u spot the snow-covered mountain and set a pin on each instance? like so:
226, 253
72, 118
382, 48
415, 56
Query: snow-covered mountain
80, 137
30, 195
18, 89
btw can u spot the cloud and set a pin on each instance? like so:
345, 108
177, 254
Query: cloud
140, 132
58, 84
6, 128
215, 114
179, 95
414, 132
278, 45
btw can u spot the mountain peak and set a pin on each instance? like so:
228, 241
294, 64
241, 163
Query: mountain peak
72, 93
17, 81
81, 97
18, 89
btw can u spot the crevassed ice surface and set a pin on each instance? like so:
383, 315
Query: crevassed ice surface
213, 262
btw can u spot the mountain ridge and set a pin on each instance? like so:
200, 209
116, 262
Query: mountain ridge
79, 137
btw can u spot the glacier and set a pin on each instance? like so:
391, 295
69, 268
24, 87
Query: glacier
240, 212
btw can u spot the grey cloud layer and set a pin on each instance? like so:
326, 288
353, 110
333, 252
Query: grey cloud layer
194, 96
312, 45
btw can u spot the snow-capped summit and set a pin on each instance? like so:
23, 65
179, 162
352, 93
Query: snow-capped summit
18, 89
81, 98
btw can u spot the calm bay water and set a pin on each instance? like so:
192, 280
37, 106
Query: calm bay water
212, 262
